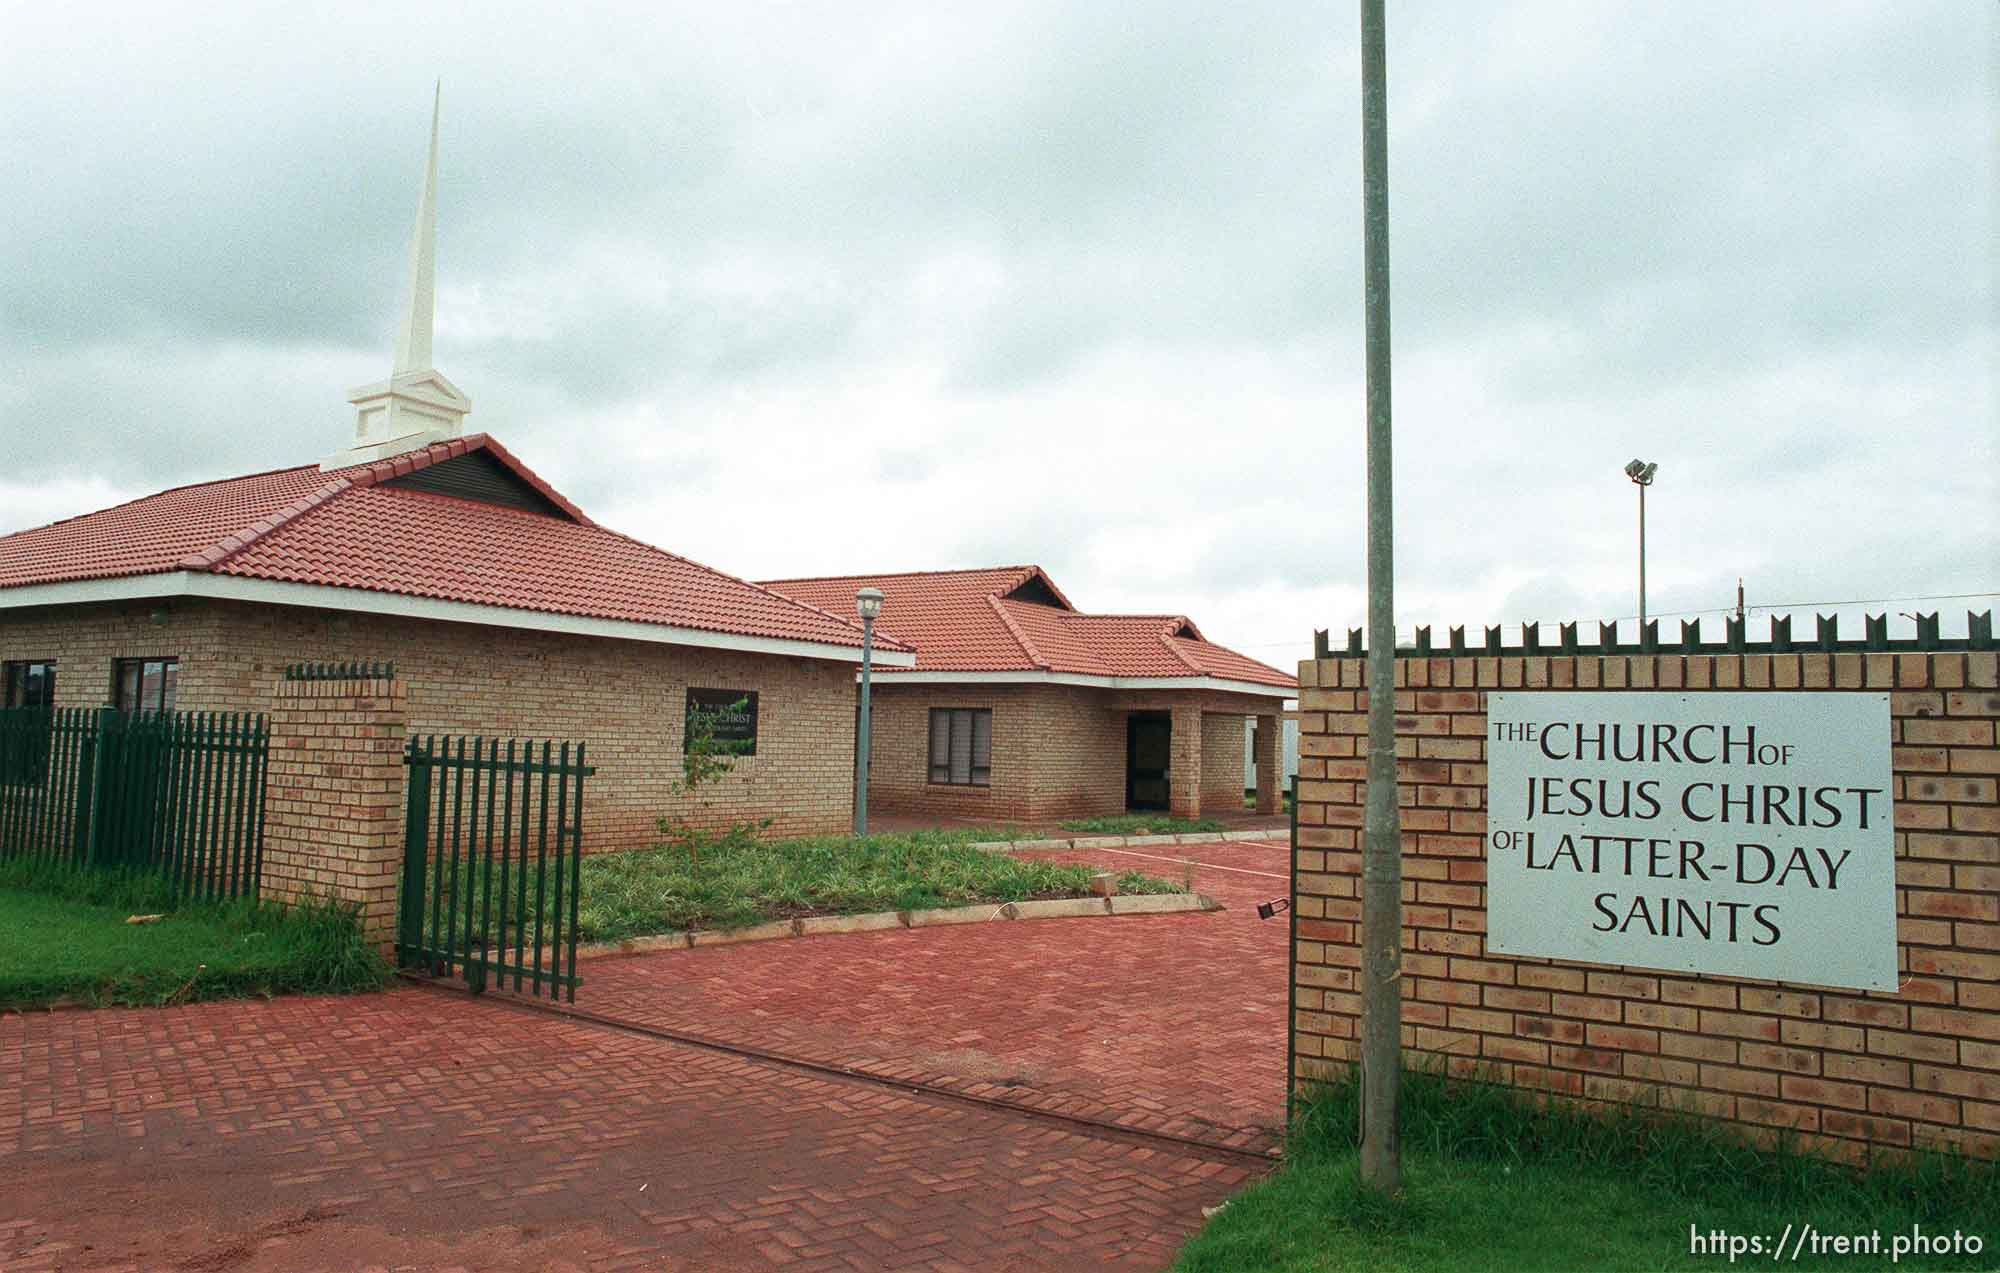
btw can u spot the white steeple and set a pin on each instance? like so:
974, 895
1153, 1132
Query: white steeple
416, 406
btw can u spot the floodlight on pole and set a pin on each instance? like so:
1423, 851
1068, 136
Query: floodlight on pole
1641, 474
867, 604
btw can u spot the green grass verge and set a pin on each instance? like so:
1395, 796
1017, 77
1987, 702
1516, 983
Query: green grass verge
739, 880
1494, 1181
63, 938
1140, 824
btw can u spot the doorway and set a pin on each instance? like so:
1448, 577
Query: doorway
1149, 749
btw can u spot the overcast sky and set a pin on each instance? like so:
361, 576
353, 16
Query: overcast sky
797, 289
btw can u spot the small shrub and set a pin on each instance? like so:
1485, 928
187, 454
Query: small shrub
705, 761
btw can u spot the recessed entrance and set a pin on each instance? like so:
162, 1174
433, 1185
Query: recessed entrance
1149, 747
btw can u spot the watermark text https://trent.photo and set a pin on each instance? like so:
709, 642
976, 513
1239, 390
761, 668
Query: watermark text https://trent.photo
1808, 1240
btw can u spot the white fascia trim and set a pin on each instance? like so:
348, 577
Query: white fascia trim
1214, 683
190, 583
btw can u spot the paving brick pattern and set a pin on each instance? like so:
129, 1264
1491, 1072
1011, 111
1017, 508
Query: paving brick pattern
1171, 1023
423, 1129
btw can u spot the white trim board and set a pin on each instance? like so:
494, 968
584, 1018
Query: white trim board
1214, 683
191, 583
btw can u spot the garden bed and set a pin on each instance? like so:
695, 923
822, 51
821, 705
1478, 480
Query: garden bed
737, 880
1141, 824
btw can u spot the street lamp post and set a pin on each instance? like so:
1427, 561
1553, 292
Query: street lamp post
868, 604
1641, 474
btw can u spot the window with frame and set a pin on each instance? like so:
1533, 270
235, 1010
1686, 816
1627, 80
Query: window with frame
29, 683
24, 745
144, 685
962, 746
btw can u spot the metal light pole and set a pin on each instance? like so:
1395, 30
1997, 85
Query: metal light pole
868, 604
1381, 849
1641, 474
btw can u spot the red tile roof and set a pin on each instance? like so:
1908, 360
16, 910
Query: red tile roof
346, 529
966, 621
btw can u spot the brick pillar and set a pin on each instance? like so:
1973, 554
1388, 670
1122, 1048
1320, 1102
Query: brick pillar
1184, 774
333, 807
1269, 753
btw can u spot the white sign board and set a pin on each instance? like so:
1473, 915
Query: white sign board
1742, 834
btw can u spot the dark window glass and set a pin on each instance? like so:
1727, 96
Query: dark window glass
24, 746
962, 746
145, 685
29, 683
731, 716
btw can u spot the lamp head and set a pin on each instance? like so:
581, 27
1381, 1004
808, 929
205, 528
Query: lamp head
1641, 472
868, 602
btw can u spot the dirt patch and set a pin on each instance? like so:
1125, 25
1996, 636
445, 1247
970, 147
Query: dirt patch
971, 1063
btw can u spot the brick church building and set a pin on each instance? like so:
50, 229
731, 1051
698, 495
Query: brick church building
508, 612
1021, 707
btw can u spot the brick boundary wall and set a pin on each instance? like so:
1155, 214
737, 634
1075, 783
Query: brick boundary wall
1845, 1069
333, 804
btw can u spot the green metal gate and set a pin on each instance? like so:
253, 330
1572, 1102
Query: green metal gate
492, 854
179, 793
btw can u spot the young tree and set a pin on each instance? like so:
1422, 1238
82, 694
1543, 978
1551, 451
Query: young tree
705, 761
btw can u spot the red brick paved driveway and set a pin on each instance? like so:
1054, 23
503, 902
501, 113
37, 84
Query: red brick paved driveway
427, 1129
1168, 1023
421, 1129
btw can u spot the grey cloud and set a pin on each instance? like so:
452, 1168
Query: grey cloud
1752, 242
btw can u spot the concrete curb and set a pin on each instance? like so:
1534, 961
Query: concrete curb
1122, 841
875, 921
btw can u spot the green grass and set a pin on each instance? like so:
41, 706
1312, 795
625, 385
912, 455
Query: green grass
1140, 824
63, 937
741, 880
1494, 1181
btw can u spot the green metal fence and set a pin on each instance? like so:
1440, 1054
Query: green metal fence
179, 793
492, 852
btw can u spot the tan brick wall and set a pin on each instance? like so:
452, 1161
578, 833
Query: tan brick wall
1221, 762
1058, 750
333, 805
1844, 1068
1268, 748
625, 699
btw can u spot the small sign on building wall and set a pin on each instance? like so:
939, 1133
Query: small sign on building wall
732, 717
1748, 835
